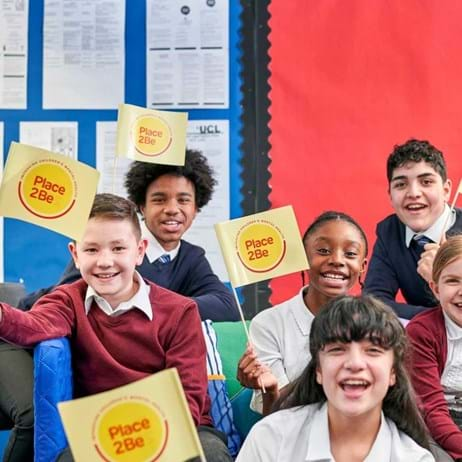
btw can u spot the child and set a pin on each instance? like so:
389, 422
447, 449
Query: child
169, 197
407, 240
436, 336
336, 248
122, 328
353, 401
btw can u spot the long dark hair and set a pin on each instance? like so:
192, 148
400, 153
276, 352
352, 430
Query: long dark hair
351, 319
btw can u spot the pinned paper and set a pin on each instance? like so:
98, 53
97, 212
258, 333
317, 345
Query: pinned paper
147, 420
151, 136
261, 246
48, 189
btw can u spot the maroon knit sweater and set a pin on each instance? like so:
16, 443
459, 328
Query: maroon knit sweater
112, 351
427, 333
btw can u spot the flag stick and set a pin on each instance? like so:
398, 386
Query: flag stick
454, 200
241, 313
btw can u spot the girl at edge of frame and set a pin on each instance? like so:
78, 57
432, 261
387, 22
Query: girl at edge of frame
354, 401
336, 248
436, 338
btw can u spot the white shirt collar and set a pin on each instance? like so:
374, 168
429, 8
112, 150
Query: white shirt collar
436, 230
302, 314
319, 435
454, 332
139, 301
155, 250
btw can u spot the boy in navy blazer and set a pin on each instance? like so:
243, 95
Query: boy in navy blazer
407, 241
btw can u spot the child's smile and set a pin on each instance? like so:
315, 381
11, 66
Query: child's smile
170, 209
355, 377
448, 290
336, 255
418, 194
107, 257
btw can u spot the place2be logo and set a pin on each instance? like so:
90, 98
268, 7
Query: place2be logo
151, 135
260, 246
130, 429
47, 188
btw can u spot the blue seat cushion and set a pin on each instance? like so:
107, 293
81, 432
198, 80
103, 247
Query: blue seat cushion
52, 384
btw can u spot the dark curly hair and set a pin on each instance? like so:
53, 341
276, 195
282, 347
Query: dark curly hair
196, 169
415, 151
352, 319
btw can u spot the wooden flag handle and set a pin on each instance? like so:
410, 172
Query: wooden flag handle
241, 313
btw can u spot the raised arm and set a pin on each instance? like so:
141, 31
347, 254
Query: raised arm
51, 317
70, 274
382, 281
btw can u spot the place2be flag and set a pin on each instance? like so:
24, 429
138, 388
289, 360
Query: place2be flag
149, 135
47, 189
147, 420
261, 246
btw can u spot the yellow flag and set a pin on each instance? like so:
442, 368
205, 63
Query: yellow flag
149, 135
47, 189
261, 246
146, 420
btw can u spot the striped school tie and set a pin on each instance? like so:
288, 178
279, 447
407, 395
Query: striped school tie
418, 243
165, 258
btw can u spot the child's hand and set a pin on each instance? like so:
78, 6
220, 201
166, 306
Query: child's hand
251, 373
425, 264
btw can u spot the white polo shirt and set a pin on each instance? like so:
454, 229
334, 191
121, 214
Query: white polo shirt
302, 434
281, 338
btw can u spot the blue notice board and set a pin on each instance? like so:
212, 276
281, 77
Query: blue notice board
38, 256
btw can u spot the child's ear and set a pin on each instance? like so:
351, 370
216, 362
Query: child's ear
435, 289
392, 377
142, 246
363, 265
447, 186
318, 376
72, 246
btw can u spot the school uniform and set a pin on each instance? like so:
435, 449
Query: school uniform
302, 434
281, 337
437, 375
186, 272
112, 347
393, 264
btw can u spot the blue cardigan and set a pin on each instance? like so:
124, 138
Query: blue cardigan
393, 267
188, 274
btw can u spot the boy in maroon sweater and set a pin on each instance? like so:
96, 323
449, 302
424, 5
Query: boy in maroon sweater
121, 327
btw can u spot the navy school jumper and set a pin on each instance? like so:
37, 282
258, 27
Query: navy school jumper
393, 267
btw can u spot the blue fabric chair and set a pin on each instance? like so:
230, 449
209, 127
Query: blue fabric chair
4, 435
52, 384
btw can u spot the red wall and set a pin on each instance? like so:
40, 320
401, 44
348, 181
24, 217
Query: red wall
349, 79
